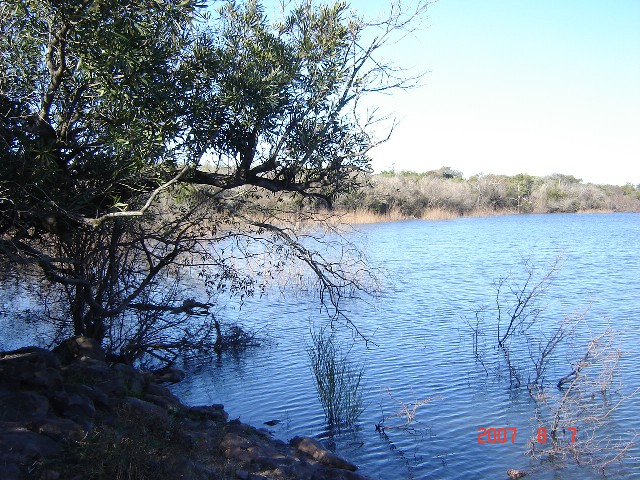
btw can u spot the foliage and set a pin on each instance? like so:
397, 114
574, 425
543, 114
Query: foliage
338, 380
419, 195
136, 135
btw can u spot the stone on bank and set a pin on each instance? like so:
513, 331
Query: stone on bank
60, 406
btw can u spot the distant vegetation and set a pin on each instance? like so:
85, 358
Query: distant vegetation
444, 193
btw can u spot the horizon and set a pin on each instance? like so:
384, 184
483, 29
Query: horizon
536, 86
479, 174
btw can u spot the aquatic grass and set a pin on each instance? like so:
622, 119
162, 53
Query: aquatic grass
338, 380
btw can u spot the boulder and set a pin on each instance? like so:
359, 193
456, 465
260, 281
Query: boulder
23, 445
315, 450
134, 382
86, 372
60, 429
99, 398
11, 471
76, 406
168, 404
214, 412
168, 374
160, 391
141, 407
514, 474
22, 406
78, 348
30, 367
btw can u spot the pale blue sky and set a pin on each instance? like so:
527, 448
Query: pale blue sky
519, 86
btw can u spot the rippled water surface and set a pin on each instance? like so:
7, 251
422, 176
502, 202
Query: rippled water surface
438, 275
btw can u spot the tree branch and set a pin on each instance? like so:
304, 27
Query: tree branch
96, 222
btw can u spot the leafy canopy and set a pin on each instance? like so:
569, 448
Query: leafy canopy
108, 107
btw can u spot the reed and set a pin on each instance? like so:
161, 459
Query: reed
364, 216
338, 380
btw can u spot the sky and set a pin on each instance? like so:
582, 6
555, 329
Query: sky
519, 86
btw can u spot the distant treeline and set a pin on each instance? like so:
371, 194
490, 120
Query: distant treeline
445, 192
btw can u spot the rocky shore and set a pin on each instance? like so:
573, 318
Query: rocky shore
67, 414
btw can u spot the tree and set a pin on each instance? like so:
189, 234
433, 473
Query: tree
135, 134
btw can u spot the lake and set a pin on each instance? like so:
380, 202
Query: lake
428, 344
423, 325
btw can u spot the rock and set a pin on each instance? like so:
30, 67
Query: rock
50, 475
75, 406
22, 406
30, 366
78, 348
514, 474
35, 355
134, 382
99, 398
27, 445
160, 391
59, 429
316, 451
168, 374
87, 372
141, 407
11, 471
249, 450
48, 402
171, 406
214, 412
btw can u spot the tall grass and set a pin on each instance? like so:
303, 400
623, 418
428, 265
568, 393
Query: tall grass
338, 380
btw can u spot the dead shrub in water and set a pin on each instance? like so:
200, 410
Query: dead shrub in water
573, 423
518, 325
406, 414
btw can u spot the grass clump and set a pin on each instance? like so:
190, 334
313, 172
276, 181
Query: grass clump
138, 447
338, 380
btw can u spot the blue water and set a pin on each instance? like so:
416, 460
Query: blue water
438, 274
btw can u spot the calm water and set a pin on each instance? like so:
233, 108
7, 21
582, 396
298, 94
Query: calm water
439, 273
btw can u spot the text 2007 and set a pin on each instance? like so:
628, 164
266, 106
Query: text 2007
496, 435
501, 435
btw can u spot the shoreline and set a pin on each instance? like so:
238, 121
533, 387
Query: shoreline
365, 217
68, 414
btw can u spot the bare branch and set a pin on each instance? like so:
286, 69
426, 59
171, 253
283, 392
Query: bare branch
96, 222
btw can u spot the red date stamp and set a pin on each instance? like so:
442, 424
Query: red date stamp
502, 435
496, 435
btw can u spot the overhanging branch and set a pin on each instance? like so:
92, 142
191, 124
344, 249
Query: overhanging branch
96, 222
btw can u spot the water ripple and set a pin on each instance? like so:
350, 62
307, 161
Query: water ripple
442, 272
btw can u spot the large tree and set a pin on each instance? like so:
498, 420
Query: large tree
135, 134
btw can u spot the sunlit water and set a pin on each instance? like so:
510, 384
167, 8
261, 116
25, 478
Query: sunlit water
438, 274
